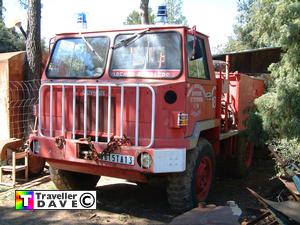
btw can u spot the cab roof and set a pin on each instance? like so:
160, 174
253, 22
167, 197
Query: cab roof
128, 28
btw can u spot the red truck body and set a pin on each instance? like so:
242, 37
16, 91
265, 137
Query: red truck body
132, 121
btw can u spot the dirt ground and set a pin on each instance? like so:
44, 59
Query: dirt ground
121, 202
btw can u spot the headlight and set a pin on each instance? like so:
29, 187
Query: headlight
145, 160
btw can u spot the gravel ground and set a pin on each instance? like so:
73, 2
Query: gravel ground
122, 202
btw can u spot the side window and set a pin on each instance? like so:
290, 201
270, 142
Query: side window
197, 60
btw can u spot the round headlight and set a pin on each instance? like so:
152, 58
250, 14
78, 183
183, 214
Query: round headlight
145, 160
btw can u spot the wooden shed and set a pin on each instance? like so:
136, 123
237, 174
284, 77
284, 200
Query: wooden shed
252, 62
11, 69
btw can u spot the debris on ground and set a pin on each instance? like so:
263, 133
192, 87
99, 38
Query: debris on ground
203, 215
283, 211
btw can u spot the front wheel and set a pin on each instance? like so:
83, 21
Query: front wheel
193, 185
67, 180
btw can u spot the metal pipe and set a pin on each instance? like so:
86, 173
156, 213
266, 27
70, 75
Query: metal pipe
122, 111
74, 112
152, 118
108, 113
40, 111
63, 110
137, 108
51, 109
97, 114
85, 112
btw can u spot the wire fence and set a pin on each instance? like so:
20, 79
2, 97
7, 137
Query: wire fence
23, 96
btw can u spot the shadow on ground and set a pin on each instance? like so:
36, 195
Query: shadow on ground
149, 202
127, 203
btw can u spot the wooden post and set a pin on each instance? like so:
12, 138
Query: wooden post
26, 166
14, 167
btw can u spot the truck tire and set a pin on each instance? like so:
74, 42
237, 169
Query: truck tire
186, 189
67, 180
35, 165
243, 158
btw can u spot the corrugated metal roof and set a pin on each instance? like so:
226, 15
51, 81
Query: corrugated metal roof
247, 51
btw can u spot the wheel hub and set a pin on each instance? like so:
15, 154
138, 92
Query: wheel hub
203, 178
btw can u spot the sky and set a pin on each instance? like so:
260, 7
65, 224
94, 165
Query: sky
211, 17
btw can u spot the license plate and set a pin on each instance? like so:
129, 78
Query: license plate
117, 158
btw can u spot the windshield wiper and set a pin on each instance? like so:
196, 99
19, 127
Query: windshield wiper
91, 47
125, 42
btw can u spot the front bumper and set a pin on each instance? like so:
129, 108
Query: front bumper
163, 160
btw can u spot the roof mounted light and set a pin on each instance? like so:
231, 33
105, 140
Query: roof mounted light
162, 15
81, 20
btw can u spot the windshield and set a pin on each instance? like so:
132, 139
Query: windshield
153, 55
78, 57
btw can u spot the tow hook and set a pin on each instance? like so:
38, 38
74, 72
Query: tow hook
91, 153
115, 144
60, 142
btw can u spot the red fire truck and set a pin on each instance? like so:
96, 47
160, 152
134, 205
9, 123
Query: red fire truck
142, 102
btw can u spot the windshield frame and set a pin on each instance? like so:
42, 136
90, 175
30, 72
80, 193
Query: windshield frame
79, 77
145, 77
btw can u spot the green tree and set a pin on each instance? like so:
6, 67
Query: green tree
135, 18
243, 37
9, 39
277, 23
175, 15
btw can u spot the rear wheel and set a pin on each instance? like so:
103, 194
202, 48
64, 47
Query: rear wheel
193, 185
67, 180
244, 157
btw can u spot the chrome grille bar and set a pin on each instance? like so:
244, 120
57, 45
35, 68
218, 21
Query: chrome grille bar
98, 87
63, 110
85, 111
74, 112
97, 115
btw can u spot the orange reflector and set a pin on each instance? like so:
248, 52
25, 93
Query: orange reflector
182, 119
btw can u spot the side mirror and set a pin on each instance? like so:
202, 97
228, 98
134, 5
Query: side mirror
51, 43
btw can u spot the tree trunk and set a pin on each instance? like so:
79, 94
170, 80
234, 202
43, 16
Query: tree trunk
144, 11
33, 42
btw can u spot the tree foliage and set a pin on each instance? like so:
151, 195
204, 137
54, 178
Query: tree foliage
243, 37
277, 23
175, 15
9, 39
135, 18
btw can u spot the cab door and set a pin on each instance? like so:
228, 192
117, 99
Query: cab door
201, 83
